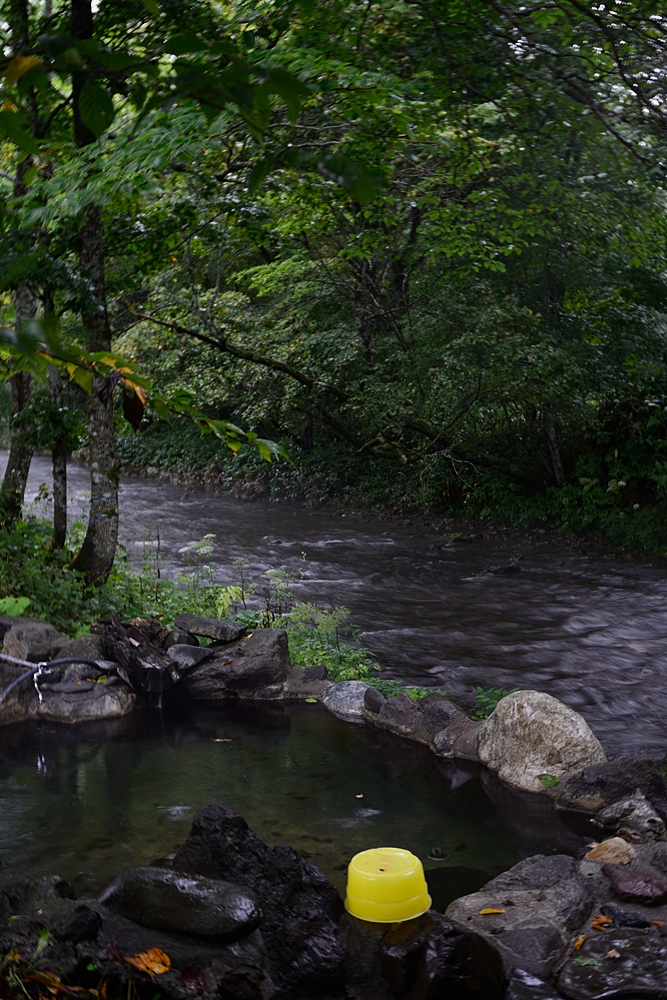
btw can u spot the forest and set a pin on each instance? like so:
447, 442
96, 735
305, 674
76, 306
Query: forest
393, 254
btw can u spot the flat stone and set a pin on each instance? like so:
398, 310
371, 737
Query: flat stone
614, 851
529, 734
186, 656
187, 904
255, 667
346, 699
600, 785
543, 900
211, 628
98, 701
638, 973
180, 637
635, 812
636, 885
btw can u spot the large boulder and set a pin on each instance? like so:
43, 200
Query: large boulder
80, 702
301, 908
601, 785
211, 628
433, 720
346, 699
87, 646
531, 735
254, 667
33, 640
171, 901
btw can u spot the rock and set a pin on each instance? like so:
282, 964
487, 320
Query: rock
635, 812
33, 640
346, 699
622, 917
508, 569
82, 925
254, 667
466, 746
615, 851
186, 656
180, 637
639, 971
299, 685
211, 628
71, 703
373, 701
193, 905
524, 986
88, 646
636, 885
543, 900
318, 672
426, 959
531, 734
301, 908
599, 786
137, 648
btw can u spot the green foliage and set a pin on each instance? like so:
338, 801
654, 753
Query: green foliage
548, 780
390, 689
14, 605
486, 700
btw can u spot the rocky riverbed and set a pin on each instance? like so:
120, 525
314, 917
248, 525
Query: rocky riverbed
230, 917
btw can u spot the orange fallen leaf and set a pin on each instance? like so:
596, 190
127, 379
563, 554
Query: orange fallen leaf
612, 953
52, 982
13, 956
600, 922
489, 910
657, 923
154, 962
578, 943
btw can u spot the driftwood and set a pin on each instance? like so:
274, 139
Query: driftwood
137, 649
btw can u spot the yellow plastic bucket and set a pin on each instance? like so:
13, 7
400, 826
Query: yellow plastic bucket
386, 885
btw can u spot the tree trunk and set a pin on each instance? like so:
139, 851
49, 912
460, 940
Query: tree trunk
96, 556
552, 444
59, 463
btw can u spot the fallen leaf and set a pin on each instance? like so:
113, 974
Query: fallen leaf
111, 950
489, 910
103, 990
585, 960
657, 923
222, 739
154, 962
578, 943
52, 982
134, 642
226, 663
13, 956
601, 923
612, 953
311, 701
194, 979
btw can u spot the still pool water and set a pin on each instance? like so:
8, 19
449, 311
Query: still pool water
86, 801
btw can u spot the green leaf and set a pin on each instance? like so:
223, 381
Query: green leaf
180, 44
548, 780
42, 941
151, 6
83, 378
13, 128
96, 108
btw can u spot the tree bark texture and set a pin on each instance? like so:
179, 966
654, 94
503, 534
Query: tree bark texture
97, 553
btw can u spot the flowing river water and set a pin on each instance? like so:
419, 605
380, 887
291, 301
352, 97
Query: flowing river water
590, 630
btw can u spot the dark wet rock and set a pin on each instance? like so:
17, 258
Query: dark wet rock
636, 885
186, 656
82, 925
426, 959
634, 813
623, 917
530, 734
300, 685
543, 900
180, 637
466, 746
253, 667
374, 700
211, 628
507, 569
88, 646
346, 699
622, 964
87, 702
402, 716
301, 908
33, 640
137, 649
318, 672
524, 986
600, 785
193, 905
68, 687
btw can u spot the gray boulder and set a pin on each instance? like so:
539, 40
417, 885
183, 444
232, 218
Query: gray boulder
310, 682
186, 656
599, 786
433, 720
88, 646
211, 628
635, 813
530, 734
180, 636
254, 667
185, 904
346, 699
33, 640
81, 702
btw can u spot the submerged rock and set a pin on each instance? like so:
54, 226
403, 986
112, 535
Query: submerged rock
346, 699
531, 734
171, 901
211, 628
254, 667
